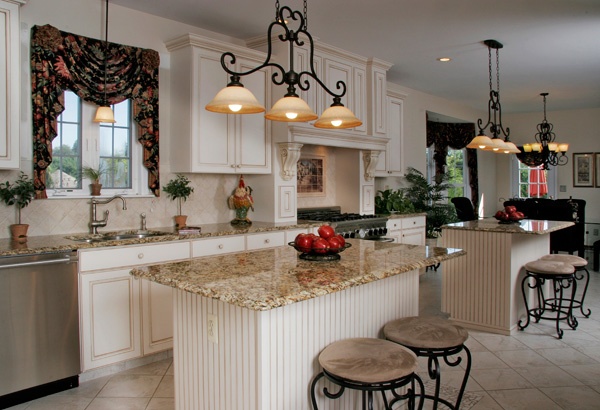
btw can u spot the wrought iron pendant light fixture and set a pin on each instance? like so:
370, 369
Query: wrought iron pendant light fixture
497, 143
545, 150
104, 113
235, 99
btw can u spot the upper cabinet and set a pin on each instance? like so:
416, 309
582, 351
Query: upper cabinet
9, 83
208, 142
391, 161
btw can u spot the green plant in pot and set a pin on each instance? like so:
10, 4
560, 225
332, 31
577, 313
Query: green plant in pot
393, 201
179, 189
429, 198
94, 175
20, 194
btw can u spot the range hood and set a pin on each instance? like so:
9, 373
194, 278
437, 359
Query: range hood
306, 134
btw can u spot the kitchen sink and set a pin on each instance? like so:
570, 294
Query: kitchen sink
91, 238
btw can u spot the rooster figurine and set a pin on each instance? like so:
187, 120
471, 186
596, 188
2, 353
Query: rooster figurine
241, 200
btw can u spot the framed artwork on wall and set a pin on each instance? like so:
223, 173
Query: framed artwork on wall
310, 174
583, 169
597, 163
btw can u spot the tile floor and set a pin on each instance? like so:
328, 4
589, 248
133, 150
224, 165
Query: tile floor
531, 370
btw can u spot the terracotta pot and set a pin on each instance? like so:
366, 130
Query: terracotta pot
19, 230
95, 189
180, 221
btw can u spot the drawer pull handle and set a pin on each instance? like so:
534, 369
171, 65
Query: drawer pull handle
221, 246
140, 256
267, 241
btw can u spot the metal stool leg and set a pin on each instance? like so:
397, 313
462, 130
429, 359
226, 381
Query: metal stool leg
585, 274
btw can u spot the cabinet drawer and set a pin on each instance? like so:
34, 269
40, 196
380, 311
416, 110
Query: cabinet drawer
265, 240
116, 257
394, 224
216, 246
414, 222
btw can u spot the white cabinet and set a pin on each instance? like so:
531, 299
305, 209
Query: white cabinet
121, 317
265, 240
9, 83
217, 246
209, 142
391, 161
410, 230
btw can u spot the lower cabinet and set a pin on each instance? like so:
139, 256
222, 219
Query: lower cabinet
122, 317
410, 230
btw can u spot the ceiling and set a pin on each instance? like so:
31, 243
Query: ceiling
549, 45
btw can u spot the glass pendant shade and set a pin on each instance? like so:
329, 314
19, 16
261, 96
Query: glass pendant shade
537, 147
497, 145
104, 114
337, 116
480, 141
511, 148
563, 147
235, 99
527, 147
291, 109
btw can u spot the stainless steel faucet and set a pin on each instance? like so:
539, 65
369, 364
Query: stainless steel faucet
143, 216
94, 224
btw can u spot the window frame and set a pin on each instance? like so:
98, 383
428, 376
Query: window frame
515, 185
430, 152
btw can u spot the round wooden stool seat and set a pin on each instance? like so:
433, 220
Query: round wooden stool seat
574, 260
367, 360
545, 267
425, 332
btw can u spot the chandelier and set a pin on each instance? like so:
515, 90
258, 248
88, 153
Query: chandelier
235, 99
545, 151
104, 113
497, 143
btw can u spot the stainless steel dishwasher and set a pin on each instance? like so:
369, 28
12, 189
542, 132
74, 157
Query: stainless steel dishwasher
39, 326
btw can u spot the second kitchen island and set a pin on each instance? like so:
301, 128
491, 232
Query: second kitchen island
249, 326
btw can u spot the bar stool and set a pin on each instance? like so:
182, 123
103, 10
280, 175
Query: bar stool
434, 338
369, 365
580, 265
562, 276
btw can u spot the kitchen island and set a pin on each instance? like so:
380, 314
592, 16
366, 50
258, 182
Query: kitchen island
250, 325
483, 290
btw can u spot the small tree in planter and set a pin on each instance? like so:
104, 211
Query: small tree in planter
94, 175
179, 189
20, 194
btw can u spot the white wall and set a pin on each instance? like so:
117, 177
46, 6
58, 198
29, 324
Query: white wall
576, 127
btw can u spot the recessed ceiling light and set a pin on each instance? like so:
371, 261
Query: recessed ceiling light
444, 59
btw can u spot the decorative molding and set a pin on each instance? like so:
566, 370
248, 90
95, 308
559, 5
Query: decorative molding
289, 152
370, 159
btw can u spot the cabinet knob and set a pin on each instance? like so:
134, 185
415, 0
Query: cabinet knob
221, 246
140, 256
267, 241
232, 165
238, 166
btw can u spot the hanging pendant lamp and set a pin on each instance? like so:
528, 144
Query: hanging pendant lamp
290, 108
104, 113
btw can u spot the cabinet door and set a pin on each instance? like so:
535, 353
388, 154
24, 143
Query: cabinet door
217, 246
110, 317
253, 137
338, 71
359, 97
213, 136
265, 240
391, 161
414, 236
9, 85
157, 317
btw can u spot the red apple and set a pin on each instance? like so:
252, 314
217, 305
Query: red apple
501, 215
509, 209
341, 239
326, 231
334, 244
303, 242
320, 246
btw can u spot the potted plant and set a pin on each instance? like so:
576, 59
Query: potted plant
178, 189
94, 175
20, 194
393, 201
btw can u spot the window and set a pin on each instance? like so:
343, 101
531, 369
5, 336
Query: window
81, 142
458, 172
533, 182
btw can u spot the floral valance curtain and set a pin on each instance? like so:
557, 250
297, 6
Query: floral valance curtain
456, 136
61, 60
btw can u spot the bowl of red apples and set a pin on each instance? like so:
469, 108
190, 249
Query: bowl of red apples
509, 215
326, 246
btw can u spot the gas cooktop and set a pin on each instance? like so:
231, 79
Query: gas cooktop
350, 225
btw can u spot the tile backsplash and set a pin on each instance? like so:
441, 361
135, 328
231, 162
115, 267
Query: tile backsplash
208, 204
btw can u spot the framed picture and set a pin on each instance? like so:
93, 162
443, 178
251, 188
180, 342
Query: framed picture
583, 169
310, 174
597, 162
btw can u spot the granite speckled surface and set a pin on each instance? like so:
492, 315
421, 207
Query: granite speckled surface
267, 279
60, 243
525, 226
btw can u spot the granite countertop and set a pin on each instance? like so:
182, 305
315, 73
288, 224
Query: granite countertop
70, 242
270, 278
399, 216
525, 226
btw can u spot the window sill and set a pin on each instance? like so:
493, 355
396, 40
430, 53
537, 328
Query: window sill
103, 196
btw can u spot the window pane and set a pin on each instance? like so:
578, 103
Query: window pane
106, 142
115, 152
121, 111
121, 148
71, 112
